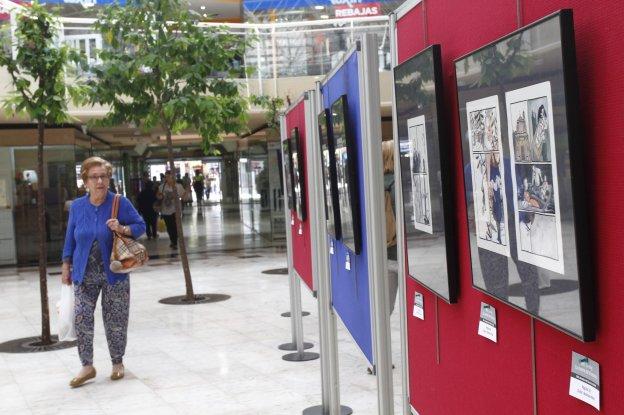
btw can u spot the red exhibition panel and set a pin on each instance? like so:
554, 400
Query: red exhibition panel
474, 375
300, 230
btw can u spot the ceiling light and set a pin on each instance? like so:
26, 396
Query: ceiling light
205, 15
324, 16
203, 7
319, 7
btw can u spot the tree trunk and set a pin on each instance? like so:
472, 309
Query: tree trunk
190, 295
43, 253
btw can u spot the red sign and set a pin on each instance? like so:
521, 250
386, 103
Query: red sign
358, 10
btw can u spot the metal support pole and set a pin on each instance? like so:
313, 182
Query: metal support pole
259, 64
375, 220
320, 267
274, 48
13, 18
400, 230
294, 285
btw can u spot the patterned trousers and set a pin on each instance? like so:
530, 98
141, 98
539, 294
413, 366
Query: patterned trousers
115, 311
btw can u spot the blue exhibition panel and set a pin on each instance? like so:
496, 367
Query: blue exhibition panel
350, 288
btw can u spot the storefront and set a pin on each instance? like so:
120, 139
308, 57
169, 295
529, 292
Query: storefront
19, 182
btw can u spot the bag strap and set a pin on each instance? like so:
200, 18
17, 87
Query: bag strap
115, 206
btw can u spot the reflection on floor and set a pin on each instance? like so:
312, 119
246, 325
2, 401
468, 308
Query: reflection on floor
214, 359
213, 228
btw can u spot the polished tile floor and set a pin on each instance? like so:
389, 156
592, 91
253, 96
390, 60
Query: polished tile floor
219, 358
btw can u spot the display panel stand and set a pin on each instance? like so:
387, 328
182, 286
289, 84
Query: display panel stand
294, 285
400, 230
287, 314
330, 384
375, 220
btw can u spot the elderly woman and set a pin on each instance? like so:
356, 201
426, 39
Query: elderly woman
86, 257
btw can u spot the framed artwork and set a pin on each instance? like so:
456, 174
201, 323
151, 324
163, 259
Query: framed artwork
298, 175
332, 214
425, 171
523, 173
346, 180
287, 160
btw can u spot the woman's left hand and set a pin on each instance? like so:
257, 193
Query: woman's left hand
113, 225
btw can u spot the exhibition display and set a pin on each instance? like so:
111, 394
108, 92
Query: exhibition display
350, 283
287, 171
346, 175
298, 176
425, 159
298, 229
523, 176
330, 191
359, 289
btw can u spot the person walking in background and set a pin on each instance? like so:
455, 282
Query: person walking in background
167, 210
198, 186
111, 186
86, 261
187, 197
387, 149
146, 202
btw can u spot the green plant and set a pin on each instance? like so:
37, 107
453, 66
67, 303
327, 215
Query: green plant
161, 70
38, 72
273, 106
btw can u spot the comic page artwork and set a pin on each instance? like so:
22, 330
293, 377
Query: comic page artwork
534, 177
488, 175
419, 168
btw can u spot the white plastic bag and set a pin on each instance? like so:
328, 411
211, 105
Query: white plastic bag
65, 308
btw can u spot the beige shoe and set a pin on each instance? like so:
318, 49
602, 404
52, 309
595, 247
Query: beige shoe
79, 381
117, 373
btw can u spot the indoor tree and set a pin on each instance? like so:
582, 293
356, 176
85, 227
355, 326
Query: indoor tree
38, 67
161, 70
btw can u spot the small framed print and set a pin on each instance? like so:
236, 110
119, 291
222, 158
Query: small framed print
425, 152
346, 180
298, 173
523, 173
332, 213
287, 163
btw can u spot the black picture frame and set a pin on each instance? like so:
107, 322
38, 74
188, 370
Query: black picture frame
287, 160
298, 173
346, 175
332, 212
524, 177
425, 158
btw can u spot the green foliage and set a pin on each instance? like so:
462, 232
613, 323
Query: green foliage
273, 107
160, 69
504, 62
39, 69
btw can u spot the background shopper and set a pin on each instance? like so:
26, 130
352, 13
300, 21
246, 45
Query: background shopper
145, 202
387, 148
198, 186
167, 209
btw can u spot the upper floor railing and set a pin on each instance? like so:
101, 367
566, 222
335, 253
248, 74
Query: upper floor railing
277, 50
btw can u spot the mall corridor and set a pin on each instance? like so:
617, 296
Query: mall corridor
216, 359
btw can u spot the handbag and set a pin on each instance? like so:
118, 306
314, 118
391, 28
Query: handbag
127, 254
162, 226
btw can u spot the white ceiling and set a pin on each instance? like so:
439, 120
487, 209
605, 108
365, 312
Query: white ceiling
221, 9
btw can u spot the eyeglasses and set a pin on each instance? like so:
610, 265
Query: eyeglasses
96, 178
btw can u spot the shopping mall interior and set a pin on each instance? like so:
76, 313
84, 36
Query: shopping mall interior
410, 229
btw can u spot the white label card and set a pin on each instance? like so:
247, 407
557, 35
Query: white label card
348, 262
331, 247
487, 322
585, 380
419, 309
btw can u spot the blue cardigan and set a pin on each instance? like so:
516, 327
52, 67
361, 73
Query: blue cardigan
88, 222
